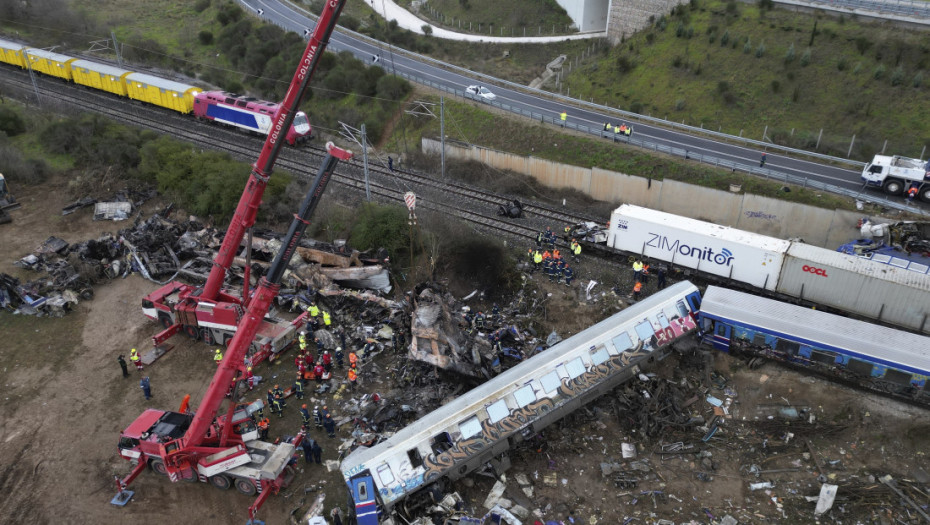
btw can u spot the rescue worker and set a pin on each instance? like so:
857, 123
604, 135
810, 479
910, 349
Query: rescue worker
623, 129
912, 192
353, 378
496, 314
660, 276
317, 416
560, 267
329, 425
146, 388
537, 261
299, 386
307, 445
270, 398
122, 364
762, 160
546, 255
551, 269
305, 417
217, 357
569, 275
136, 360
319, 344
318, 372
278, 391
607, 126
326, 319
327, 360
539, 239
369, 349
339, 356
575, 248
353, 359
313, 310
317, 451
645, 279
616, 132
250, 379
479, 321
556, 254
637, 289
299, 358
550, 238
637, 269
263, 425
629, 131
302, 341
277, 405
563, 116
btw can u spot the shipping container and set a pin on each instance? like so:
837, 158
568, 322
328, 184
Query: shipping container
856, 285
52, 64
99, 76
165, 93
742, 256
12, 53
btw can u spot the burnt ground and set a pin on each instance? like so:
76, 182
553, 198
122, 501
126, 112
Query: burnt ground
64, 403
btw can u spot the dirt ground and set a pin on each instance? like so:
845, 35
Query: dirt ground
64, 403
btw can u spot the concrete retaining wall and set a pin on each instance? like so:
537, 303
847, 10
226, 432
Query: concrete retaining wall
763, 215
629, 16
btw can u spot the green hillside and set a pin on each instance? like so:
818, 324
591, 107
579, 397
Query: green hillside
733, 66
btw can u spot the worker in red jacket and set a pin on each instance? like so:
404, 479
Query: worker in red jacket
318, 372
327, 360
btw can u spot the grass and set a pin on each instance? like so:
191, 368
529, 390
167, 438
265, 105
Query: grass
537, 17
474, 124
664, 73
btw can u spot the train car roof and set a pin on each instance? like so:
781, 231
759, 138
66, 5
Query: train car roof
159, 82
468, 403
6, 44
879, 343
99, 68
58, 57
861, 265
709, 229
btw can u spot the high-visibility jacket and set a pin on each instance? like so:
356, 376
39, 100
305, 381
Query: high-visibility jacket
556, 254
218, 356
353, 359
537, 257
564, 116
298, 387
134, 357
326, 319
314, 310
617, 130
629, 131
577, 249
352, 375
546, 255
638, 266
638, 286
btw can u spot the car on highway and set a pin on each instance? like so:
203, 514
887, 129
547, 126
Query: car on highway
480, 91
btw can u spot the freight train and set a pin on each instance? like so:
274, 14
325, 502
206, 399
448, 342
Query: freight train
784, 269
221, 107
413, 467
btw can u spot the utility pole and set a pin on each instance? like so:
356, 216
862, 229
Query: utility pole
442, 135
32, 76
365, 163
119, 56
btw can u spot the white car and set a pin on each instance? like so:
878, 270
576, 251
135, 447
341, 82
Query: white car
480, 91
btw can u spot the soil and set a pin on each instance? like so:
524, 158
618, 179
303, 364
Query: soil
64, 403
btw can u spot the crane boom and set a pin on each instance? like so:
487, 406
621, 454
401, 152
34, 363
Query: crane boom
244, 217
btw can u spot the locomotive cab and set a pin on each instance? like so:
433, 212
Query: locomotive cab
364, 498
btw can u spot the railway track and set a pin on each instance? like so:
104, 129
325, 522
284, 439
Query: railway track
476, 206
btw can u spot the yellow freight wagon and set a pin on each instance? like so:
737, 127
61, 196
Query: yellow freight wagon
165, 93
52, 64
12, 53
99, 76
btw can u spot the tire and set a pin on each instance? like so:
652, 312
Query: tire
158, 467
165, 321
192, 332
924, 193
246, 487
221, 481
893, 187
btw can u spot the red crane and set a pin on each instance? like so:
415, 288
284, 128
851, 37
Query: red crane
223, 449
209, 313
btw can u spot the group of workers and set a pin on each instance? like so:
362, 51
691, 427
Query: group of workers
641, 277
623, 129
550, 259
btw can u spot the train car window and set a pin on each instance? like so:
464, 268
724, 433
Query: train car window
663, 321
622, 342
413, 455
242, 103
441, 443
599, 356
524, 396
550, 382
826, 358
575, 368
362, 492
758, 339
471, 427
498, 411
861, 368
384, 472
788, 347
897, 377
230, 100
720, 329
645, 331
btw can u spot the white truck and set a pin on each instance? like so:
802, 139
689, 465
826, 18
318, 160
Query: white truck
895, 175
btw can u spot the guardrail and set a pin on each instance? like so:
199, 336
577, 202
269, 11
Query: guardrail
909, 9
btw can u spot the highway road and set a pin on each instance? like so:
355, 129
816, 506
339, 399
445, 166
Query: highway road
580, 115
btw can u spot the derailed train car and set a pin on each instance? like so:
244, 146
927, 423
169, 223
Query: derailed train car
404, 472
881, 292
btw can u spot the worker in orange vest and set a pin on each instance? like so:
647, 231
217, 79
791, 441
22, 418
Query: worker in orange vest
637, 288
353, 359
353, 377
263, 425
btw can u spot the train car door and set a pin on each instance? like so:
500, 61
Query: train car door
722, 333
363, 495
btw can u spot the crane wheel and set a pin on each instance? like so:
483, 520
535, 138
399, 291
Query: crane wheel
246, 487
221, 481
158, 467
192, 332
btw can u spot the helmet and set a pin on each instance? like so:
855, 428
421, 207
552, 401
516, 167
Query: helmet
303, 406
277, 386
303, 332
217, 350
339, 349
133, 350
250, 369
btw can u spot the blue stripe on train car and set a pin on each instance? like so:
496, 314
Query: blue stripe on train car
225, 114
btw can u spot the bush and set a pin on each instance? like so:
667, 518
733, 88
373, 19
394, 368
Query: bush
392, 88
679, 104
796, 94
625, 64
680, 30
841, 64
863, 44
766, 5
483, 261
205, 37
732, 8
806, 57
789, 55
897, 76
650, 37
381, 226
760, 50
747, 47
427, 29
879, 72
201, 5
19, 169
725, 39
918, 80
10, 122
776, 86
723, 86
349, 22
637, 107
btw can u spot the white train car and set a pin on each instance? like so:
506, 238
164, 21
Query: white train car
479, 426
718, 250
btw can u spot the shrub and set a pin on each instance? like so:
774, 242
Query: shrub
650, 37
625, 63
857, 68
723, 86
679, 104
796, 94
677, 61
918, 80
19, 169
776, 86
427, 29
766, 5
680, 30
392, 88
732, 8
205, 37
841, 64
863, 44
637, 107
201, 5
349, 22
789, 55
760, 50
897, 76
10, 122
806, 57
747, 47
481, 260
724, 39
380, 226
690, 32
879, 72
